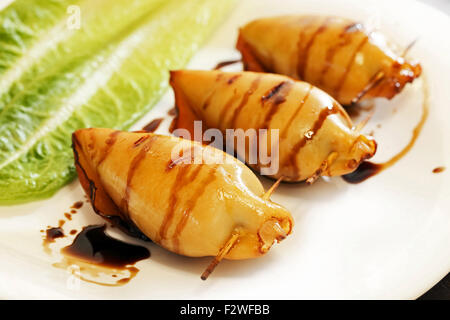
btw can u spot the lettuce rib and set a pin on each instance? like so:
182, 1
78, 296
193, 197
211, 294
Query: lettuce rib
111, 85
36, 36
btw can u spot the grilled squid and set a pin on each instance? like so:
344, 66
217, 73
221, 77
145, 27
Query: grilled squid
342, 57
314, 134
179, 194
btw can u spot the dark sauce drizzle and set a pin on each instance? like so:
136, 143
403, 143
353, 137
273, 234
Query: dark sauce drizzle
77, 205
153, 125
53, 233
438, 169
94, 246
368, 169
223, 64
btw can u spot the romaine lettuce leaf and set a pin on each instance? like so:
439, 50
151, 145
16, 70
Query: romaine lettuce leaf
100, 79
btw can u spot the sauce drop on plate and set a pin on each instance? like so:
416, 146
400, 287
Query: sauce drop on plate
93, 245
98, 255
153, 125
368, 169
438, 169
223, 64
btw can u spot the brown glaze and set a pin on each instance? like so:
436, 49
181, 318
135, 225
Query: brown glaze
285, 130
231, 101
244, 101
344, 40
233, 79
274, 98
310, 134
337, 90
438, 169
304, 53
177, 185
368, 169
181, 158
72, 232
68, 216
109, 143
185, 175
223, 64
191, 204
230, 81
131, 171
139, 141
249, 60
153, 125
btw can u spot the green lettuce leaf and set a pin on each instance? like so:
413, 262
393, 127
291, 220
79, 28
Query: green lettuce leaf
92, 77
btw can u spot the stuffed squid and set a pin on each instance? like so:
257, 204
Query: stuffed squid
314, 134
342, 57
179, 194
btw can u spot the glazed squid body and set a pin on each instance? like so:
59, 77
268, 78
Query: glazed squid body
188, 208
315, 134
340, 56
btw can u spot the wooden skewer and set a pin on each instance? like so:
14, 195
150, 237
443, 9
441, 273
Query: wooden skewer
379, 76
409, 47
279, 229
269, 192
363, 123
323, 167
222, 253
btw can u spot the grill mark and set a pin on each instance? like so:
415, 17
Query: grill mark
244, 101
219, 76
229, 82
303, 54
208, 100
191, 206
277, 95
132, 170
109, 143
299, 108
228, 106
139, 141
222, 64
234, 78
337, 90
344, 40
299, 53
173, 199
181, 157
273, 91
315, 128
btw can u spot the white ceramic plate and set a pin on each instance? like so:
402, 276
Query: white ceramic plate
388, 237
